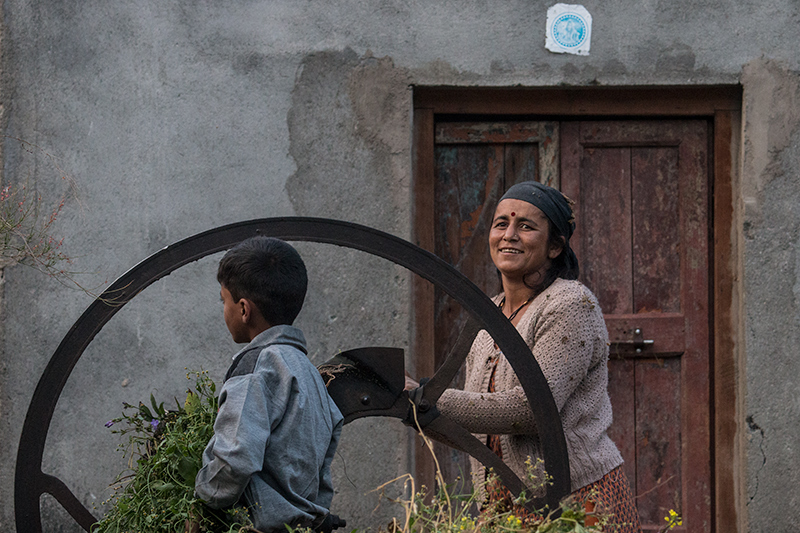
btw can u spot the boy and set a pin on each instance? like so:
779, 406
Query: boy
277, 428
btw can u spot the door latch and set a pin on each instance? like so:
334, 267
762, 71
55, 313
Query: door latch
638, 342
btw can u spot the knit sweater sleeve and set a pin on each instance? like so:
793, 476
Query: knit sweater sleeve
497, 413
566, 333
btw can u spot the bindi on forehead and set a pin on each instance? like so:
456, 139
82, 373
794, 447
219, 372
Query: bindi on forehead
513, 214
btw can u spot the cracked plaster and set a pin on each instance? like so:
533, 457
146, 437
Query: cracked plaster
770, 189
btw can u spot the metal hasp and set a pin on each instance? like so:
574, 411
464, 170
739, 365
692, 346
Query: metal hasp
638, 343
30, 482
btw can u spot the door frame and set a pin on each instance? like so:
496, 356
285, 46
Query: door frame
722, 106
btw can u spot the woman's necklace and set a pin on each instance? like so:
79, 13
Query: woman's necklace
493, 359
510, 318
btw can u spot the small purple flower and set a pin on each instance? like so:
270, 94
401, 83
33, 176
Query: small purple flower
154, 424
109, 423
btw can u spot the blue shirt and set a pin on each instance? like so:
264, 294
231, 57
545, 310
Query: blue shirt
274, 437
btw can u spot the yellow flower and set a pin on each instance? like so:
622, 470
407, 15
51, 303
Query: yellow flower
673, 519
466, 523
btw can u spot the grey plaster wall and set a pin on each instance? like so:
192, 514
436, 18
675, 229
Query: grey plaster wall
174, 117
771, 231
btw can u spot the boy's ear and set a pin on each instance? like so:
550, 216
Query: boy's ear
246, 308
250, 313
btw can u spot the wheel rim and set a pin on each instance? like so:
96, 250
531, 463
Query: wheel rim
30, 482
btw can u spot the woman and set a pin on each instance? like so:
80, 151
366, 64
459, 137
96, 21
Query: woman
563, 325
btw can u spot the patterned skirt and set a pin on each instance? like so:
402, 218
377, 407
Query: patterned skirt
610, 496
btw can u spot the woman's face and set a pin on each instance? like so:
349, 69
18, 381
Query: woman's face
518, 240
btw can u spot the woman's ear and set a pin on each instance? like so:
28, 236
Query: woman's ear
555, 250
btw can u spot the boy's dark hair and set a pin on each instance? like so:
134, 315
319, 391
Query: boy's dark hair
270, 273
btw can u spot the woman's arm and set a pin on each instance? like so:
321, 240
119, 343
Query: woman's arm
495, 413
567, 335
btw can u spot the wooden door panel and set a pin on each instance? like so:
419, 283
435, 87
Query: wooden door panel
656, 229
641, 189
621, 389
605, 230
469, 182
522, 161
658, 438
668, 328
543, 135
474, 164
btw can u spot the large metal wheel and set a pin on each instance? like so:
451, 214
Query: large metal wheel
30, 482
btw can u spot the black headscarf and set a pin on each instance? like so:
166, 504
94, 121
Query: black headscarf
554, 205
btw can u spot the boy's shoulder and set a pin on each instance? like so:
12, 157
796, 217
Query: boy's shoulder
285, 338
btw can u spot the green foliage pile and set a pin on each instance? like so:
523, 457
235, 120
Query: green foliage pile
447, 513
444, 512
156, 493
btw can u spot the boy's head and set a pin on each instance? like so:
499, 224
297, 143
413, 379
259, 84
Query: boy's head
267, 274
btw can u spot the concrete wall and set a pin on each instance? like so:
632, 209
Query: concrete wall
771, 233
174, 117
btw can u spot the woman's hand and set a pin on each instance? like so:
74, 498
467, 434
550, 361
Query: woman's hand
410, 383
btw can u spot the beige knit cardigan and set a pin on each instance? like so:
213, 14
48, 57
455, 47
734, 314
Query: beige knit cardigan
565, 330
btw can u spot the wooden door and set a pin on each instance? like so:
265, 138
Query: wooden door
642, 204
641, 192
474, 164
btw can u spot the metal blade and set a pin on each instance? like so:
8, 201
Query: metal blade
367, 382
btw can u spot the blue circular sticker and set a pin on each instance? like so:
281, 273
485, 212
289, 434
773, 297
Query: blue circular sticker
569, 30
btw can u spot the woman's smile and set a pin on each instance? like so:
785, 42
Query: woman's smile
519, 240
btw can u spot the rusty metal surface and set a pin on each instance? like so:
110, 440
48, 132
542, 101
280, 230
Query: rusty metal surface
30, 482
369, 382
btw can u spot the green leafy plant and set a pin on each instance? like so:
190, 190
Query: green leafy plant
156, 492
447, 513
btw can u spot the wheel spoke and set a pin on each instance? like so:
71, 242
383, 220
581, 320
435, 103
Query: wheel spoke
453, 362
